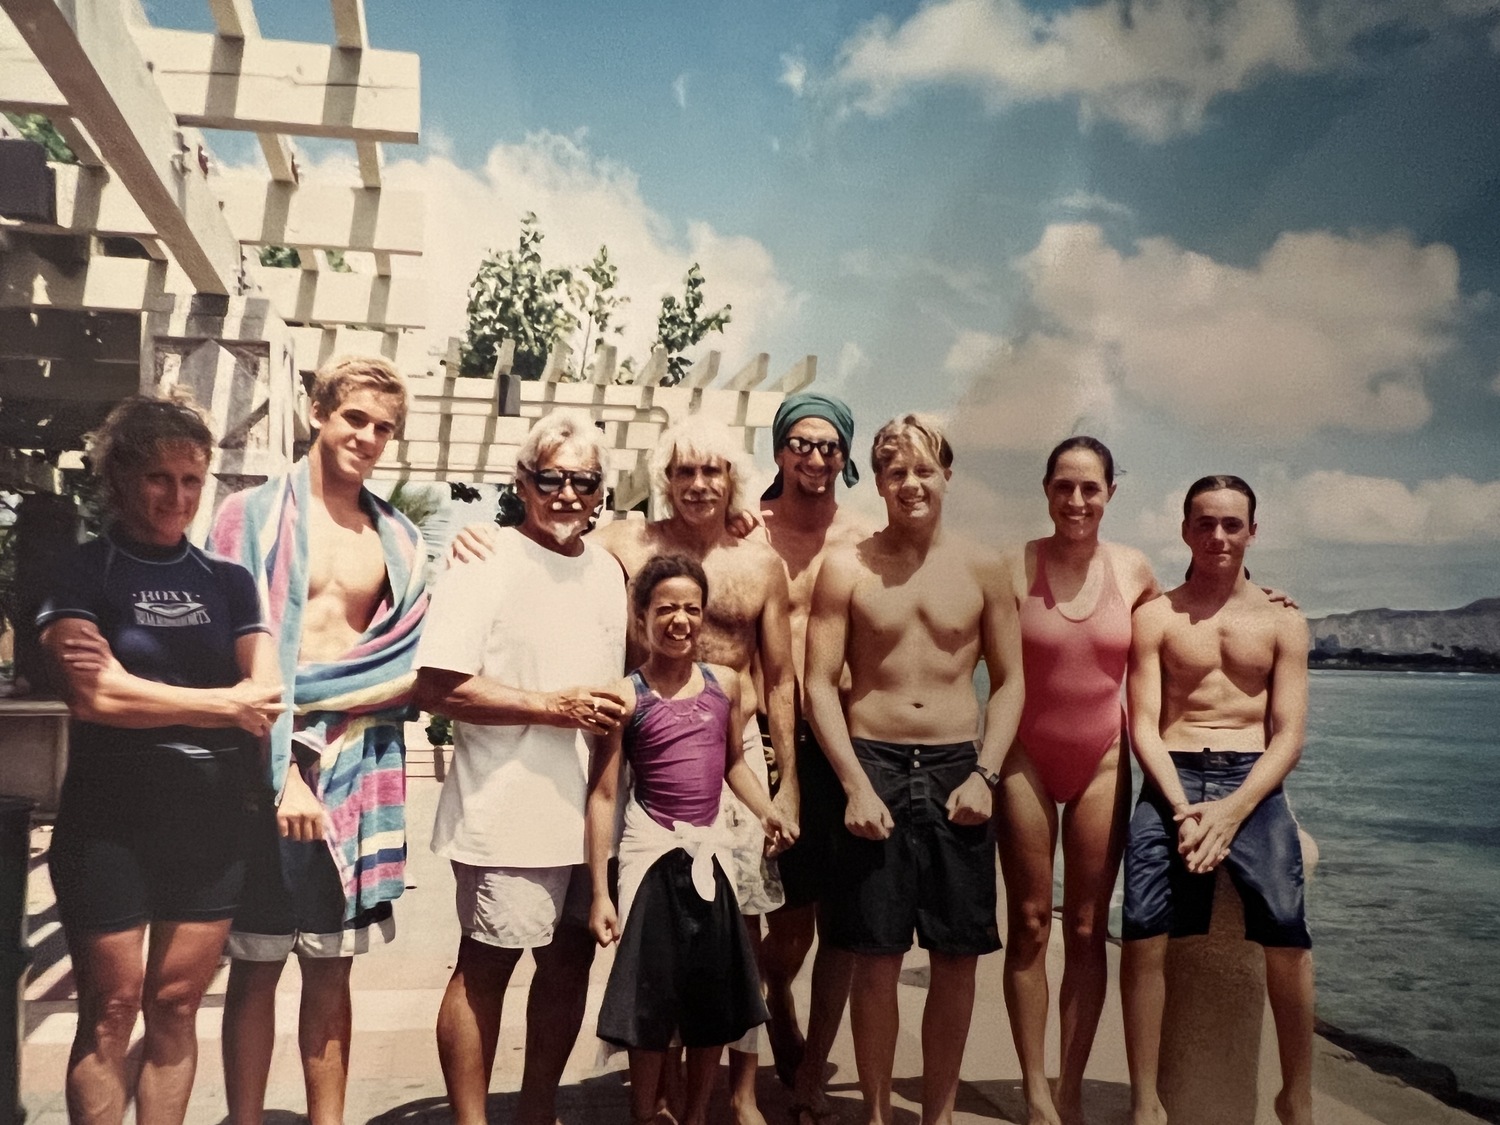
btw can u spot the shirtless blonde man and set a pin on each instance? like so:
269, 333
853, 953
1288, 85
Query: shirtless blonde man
912, 610
1218, 710
339, 569
801, 517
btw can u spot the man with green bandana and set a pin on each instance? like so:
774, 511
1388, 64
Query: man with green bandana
811, 439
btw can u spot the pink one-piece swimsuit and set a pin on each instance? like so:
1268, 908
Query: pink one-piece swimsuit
1074, 670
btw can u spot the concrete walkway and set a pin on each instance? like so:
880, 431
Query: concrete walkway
395, 1077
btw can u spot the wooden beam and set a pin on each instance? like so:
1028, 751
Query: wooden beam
235, 19
79, 141
28, 281
280, 160
330, 218
325, 297
90, 201
25, 86
799, 375
349, 28
371, 162
276, 86
88, 53
68, 380
752, 375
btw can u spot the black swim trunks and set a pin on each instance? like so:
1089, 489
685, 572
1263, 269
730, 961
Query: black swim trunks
807, 869
930, 875
1265, 860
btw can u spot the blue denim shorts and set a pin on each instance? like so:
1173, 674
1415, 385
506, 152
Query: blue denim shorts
1265, 860
930, 875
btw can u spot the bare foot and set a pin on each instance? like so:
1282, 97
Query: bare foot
746, 1112
787, 1047
1039, 1107
1148, 1113
1293, 1111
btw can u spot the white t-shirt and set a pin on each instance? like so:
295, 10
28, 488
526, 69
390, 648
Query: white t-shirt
537, 620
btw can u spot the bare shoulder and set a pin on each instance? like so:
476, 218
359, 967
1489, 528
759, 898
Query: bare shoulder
625, 689
729, 681
1151, 617
845, 562
1291, 626
1133, 572
850, 526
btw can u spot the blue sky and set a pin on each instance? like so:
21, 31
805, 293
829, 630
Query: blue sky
1258, 236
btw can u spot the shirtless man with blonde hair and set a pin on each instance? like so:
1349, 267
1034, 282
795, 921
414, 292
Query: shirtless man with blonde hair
339, 569
912, 610
1218, 712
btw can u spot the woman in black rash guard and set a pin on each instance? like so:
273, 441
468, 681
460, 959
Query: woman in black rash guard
171, 679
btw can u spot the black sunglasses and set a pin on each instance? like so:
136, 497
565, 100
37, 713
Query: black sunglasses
585, 482
802, 446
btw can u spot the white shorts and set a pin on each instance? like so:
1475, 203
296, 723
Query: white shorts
520, 907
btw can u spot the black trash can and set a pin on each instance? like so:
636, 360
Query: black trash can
15, 952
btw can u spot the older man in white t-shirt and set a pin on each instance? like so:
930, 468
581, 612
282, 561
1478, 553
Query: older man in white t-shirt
517, 649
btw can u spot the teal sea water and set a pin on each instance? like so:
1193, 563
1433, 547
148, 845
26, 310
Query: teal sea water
1400, 786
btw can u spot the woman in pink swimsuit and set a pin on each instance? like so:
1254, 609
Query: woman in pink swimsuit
1075, 594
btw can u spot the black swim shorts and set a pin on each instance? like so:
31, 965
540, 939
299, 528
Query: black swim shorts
149, 833
930, 875
1265, 860
807, 869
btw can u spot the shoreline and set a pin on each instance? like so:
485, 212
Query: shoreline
1407, 662
1434, 1078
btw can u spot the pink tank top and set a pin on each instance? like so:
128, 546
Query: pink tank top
1074, 670
677, 748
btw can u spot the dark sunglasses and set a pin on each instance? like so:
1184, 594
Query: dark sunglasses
802, 446
585, 482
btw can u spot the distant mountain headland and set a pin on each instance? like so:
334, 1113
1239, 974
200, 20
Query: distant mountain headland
1438, 640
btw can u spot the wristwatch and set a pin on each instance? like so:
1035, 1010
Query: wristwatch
991, 778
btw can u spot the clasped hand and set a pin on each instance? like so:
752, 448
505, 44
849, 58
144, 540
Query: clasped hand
588, 709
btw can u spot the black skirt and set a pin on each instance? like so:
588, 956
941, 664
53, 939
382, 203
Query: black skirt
684, 966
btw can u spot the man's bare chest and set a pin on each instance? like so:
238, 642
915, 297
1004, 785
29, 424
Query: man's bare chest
345, 562
945, 606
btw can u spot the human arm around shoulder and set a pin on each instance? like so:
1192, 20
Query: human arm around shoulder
1000, 643
1220, 820
606, 771
455, 634
780, 681
474, 542
827, 641
742, 781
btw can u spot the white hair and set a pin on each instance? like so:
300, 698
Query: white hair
560, 427
698, 436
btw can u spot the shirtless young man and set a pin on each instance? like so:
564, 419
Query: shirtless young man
912, 610
346, 569
696, 471
810, 439
1218, 710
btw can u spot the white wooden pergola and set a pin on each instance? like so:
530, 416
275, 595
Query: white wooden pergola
146, 271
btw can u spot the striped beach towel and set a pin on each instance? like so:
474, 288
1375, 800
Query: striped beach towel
348, 713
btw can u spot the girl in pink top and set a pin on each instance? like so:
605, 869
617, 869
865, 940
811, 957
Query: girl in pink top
1075, 607
685, 971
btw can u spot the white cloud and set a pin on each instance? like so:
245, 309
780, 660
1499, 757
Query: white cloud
1153, 67
852, 363
679, 90
581, 201
864, 264
794, 74
1323, 331
1336, 507
1087, 202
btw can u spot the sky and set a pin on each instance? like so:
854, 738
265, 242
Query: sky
1248, 236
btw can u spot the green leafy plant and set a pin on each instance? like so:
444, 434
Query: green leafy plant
681, 324
288, 258
38, 127
515, 297
597, 302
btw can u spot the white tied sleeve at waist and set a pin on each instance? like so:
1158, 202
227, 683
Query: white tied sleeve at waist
645, 841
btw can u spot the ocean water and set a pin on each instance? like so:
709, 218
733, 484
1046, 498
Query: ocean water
1400, 786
